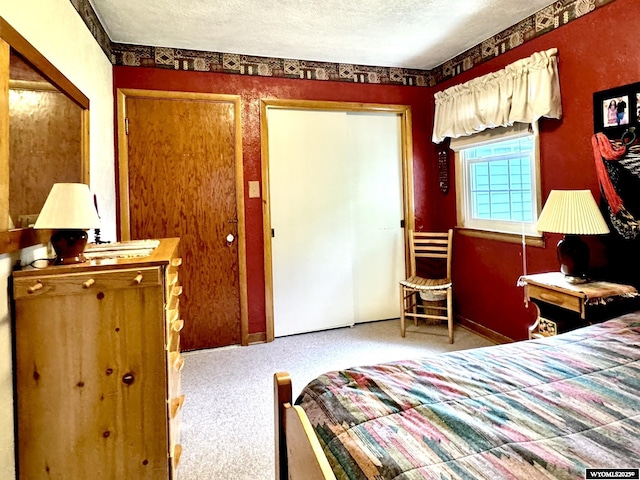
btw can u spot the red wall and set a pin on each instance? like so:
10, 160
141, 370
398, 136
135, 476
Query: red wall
252, 89
596, 52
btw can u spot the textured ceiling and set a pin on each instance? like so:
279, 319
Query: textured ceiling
419, 34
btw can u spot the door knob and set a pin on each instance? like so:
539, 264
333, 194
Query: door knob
230, 239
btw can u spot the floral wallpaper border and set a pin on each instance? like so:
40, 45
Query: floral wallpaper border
549, 18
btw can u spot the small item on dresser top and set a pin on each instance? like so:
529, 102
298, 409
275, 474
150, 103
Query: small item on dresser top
96, 231
127, 249
69, 211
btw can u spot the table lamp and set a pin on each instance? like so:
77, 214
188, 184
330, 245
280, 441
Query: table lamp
69, 210
573, 213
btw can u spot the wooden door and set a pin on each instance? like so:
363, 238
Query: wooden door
184, 179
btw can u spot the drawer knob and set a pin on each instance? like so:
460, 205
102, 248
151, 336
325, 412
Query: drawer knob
138, 278
177, 453
176, 405
128, 378
176, 360
179, 364
88, 283
35, 287
177, 325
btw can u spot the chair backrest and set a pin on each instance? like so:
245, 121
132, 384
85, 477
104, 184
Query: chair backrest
430, 245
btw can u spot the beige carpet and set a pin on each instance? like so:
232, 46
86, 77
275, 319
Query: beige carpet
227, 420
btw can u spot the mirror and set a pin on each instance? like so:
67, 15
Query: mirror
44, 141
44, 124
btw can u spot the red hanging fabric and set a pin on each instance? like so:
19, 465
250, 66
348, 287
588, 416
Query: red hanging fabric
604, 150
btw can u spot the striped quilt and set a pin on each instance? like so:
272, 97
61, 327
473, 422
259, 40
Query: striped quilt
548, 408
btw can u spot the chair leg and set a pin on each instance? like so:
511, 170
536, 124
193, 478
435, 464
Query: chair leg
402, 309
450, 313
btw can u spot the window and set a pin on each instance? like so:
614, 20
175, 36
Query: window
498, 180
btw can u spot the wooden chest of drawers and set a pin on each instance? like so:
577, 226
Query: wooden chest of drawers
98, 368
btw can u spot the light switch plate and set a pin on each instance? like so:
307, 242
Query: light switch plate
254, 189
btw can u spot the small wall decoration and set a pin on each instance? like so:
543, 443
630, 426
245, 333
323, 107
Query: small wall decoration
615, 111
443, 167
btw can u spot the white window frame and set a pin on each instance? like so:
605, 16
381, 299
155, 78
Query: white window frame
462, 172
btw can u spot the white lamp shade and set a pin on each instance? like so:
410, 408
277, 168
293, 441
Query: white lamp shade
69, 206
572, 212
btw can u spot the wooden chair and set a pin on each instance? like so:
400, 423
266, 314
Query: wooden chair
423, 297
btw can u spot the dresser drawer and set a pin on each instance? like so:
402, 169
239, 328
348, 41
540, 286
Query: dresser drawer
175, 457
175, 406
174, 380
70, 284
174, 297
172, 281
173, 335
174, 264
174, 434
172, 274
175, 364
554, 297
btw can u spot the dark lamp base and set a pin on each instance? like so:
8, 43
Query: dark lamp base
69, 246
573, 255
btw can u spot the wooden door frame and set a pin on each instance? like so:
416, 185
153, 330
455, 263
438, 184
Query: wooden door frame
406, 141
123, 178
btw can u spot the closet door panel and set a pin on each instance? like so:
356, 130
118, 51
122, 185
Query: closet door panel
376, 152
312, 250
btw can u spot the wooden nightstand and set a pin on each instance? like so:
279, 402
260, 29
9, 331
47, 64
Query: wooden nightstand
564, 306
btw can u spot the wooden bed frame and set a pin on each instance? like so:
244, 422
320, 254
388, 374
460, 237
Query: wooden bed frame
298, 453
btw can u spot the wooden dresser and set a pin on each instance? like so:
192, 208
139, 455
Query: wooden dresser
98, 368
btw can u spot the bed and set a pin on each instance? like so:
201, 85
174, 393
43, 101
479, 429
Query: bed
546, 408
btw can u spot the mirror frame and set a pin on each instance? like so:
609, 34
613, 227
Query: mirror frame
19, 238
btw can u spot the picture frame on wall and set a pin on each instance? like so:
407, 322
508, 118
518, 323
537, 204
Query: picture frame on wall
616, 110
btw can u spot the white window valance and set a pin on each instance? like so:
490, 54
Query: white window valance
521, 92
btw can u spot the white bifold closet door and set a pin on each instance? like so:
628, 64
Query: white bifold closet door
336, 205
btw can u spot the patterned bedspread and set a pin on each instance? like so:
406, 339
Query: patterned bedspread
546, 408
